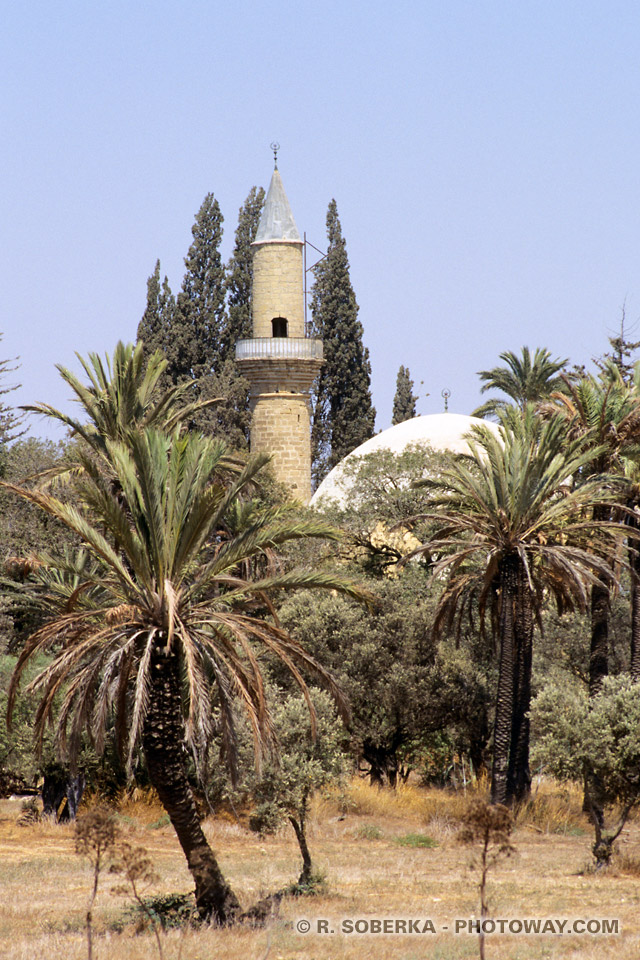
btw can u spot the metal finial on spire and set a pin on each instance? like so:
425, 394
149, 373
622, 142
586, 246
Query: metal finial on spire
445, 394
275, 147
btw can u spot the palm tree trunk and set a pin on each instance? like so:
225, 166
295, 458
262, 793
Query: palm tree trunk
599, 650
504, 699
163, 745
634, 566
593, 802
519, 775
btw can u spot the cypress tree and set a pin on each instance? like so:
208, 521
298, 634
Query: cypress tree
239, 280
156, 326
404, 402
232, 419
193, 332
343, 415
200, 309
11, 424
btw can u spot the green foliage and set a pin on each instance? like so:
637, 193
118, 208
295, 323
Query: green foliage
380, 504
123, 397
381, 659
622, 350
509, 530
197, 334
305, 764
164, 498
524, 380
417, 841
343, 415
381, 485
605, 412
601, 735
169, 911
19, 765
189, 330
369, 831
24, 530
231, 419
176, 610
11, 423
562, 649
239, 279
511, 497
156, 325
201, 302
558, 715
404, 401
457, 714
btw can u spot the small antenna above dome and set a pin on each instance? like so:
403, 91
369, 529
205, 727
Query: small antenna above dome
445, 394
275, 146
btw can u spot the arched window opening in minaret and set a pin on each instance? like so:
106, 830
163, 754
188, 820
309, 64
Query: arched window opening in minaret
279, 327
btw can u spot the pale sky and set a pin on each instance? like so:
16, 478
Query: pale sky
484, 157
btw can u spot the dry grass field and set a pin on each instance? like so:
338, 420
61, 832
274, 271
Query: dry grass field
373, 867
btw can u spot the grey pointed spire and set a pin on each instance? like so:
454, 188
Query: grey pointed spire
276, 222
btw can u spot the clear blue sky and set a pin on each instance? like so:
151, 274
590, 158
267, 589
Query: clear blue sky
485, 158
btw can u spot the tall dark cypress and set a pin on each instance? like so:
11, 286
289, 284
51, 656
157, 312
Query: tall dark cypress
239, 280
201, 302
156, 326
404, 402
232, 418
343, 414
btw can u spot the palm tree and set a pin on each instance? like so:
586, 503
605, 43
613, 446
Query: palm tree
604, 413
524, 380
632, 521
509, 528
123, 395
166, 626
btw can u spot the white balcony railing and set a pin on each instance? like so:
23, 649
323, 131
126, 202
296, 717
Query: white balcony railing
294, 348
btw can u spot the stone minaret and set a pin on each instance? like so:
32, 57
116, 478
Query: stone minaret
280, 362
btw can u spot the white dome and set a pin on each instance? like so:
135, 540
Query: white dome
439, 431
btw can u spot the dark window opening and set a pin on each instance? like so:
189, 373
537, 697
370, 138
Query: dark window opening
279, 327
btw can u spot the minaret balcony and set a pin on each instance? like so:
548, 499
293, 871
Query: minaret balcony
279, 348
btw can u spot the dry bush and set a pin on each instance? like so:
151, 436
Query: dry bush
487, 827
554, 808
360, 798
627, 864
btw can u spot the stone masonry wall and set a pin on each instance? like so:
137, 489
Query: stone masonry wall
277, 287
280, 426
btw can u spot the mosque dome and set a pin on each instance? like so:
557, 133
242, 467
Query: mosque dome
437, 431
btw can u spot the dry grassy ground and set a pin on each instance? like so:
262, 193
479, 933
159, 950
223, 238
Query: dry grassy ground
44, 885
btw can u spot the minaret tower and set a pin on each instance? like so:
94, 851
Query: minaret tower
279, 361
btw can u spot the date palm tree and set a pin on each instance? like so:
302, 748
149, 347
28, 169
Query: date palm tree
123, 394
158, 624
604, 413
165, 627
510, 527
524, 379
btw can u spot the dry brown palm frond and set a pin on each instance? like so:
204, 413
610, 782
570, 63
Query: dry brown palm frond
19, 568
123, 613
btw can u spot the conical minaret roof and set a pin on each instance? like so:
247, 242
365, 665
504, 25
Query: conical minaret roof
277, 223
